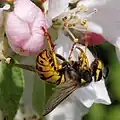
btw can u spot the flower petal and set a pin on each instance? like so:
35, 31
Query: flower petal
118, 53
92, 3
28, 11
56, 7
26, 108
94, 27
117, 44
6, 7
23, 28
101, 93
63, 46
94, 38
85, 95
68, 110
111, 30
108, 12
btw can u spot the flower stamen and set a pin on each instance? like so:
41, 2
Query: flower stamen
73, 17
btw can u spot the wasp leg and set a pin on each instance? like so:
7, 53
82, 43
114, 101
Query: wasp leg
75, 40
83, 59
51, 46
26, 67
60, 57
72, 48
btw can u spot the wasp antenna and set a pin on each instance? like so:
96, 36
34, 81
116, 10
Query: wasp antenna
26, 67
75, 40
60, 57
81, 50
72, 48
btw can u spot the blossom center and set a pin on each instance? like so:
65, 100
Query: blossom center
73, 17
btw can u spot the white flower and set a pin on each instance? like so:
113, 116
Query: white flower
2, 19
105, 22
77, 104
107, 18
68, 110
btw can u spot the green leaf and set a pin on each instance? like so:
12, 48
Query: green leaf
38, 94
11, 88
41, 93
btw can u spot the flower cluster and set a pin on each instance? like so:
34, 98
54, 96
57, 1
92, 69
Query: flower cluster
95, 20
23, 26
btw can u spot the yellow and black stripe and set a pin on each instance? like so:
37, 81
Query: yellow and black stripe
97, 69
46, 69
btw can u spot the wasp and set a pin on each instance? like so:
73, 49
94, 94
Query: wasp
68, 75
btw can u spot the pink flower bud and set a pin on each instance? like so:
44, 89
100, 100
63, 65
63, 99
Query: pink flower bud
94, 38
23, 28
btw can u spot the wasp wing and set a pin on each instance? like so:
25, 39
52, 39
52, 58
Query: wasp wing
61, 93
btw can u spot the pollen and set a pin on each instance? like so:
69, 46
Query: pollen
76, 40
83, 8
84, 23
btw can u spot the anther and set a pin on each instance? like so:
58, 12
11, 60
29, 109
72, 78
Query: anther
92, 12
76, 40
95, 10
64, 18
83, 22
83, 8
